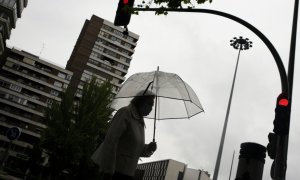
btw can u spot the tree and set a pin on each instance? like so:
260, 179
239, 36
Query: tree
163, 4
75, 128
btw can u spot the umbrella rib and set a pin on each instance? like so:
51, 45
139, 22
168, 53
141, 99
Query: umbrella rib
187, 111
177, 117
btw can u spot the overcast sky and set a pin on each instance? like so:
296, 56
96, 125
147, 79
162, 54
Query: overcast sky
196, 47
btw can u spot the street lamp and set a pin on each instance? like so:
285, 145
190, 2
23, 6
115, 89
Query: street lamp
286, 81
239, 44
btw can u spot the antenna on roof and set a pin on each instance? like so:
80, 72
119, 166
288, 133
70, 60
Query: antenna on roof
42, 49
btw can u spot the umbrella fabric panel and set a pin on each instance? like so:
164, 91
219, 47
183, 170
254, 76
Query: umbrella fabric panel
166, 108
162, 84
170, 85
176, 99
134, 84
174, 109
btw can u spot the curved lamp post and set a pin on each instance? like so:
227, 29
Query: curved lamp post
277, 58
282, 142
239, 44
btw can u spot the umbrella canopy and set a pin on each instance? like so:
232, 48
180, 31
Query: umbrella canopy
175, 98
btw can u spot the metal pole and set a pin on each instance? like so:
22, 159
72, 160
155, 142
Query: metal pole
155, 110
240, 44
217, 166
231, 165
280, 163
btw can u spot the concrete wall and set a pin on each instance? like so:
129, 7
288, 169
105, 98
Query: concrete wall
174, 168
204, 176
191, 174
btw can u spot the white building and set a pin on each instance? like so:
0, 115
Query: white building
195, 174
169, 170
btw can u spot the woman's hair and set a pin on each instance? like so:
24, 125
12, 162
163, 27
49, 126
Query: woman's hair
142, 97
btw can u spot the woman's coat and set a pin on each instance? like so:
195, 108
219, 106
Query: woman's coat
124, 143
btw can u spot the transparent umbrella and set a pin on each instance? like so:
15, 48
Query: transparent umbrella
175, 99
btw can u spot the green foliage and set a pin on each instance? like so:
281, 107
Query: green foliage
76, 127
174, 4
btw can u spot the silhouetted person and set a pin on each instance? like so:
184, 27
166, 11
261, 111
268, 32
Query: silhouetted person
124, 143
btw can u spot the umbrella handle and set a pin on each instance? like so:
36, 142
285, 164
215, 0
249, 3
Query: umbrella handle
154, 130
155, 103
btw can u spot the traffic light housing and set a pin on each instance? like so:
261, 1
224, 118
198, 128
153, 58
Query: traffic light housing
123, 13
282, 112
271, 147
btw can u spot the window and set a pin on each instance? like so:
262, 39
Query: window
115, 80
54, 92
107, 28
69, 77
15, 87
118, 73
127, 45
117, 40
65, 86
9, 64
111, 53
16, 99
49, 101
129, 38
86, 77
58, 84
120, 66
29, 61
122, 58
79, 91
118, 33
99, 48
125, 52
61, 75
93, 61
4, 84
105, 67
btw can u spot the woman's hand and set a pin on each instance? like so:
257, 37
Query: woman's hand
152, 146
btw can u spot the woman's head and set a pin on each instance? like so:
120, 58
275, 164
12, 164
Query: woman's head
143, 101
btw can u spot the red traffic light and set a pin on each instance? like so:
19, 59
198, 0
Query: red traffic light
123, 13
282, 100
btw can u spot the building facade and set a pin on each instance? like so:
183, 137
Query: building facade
28, 85
10, 11
195, 174
103, 51
169, 170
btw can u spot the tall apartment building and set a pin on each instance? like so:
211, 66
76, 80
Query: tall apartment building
10, 11
103, 51
28, 85
169, 170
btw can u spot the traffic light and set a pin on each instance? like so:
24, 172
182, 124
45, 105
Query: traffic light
123, 13
282, 112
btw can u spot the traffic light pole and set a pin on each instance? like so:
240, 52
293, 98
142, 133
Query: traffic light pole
280, 165
282, 143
